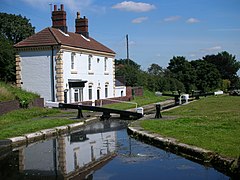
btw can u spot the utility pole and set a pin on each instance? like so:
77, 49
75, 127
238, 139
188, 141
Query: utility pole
127, 50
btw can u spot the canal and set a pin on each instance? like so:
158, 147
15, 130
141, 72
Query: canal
98, 151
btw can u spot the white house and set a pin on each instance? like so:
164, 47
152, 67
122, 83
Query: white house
68, 67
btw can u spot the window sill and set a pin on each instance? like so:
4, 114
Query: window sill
73, 72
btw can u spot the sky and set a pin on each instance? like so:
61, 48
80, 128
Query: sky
157, 29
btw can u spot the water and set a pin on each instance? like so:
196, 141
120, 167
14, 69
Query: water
99, 151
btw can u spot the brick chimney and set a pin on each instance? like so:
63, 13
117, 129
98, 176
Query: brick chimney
59, 18
81, 25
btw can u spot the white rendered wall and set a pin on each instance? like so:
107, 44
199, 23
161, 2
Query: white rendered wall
97, 77
36, 72
119, 90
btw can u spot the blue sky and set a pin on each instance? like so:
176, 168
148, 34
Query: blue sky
157, 29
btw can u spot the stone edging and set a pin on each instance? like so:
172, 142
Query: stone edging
228, 166
46, 133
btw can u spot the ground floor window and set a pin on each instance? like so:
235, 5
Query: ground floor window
78, 94
98, 94
90, 92
106, 91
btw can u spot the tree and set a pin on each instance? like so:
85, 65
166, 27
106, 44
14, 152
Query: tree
182, 71
7, 62
122, 62
226, 64
207, 75
129, 71
226, 84
13, 29
155, 69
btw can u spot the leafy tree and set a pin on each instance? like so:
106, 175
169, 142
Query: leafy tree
182, 71
226, 64
130, 71
122, 62
15, 28
7, 62
225, 85
207, 75
155, 69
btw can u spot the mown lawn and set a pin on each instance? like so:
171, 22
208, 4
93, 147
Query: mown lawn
19, 122
212, 123
147, 98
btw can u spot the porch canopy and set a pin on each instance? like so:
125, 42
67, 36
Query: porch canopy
76, 83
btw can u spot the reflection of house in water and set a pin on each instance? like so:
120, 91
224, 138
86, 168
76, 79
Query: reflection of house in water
75, 155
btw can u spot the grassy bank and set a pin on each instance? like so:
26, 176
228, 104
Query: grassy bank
212, 123
147, 98
9, 92
24, 121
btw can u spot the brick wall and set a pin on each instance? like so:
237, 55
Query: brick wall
38, 102
8, 106
108, 101
138, 91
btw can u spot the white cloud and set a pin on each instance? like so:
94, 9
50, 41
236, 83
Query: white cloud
172, 18
139, 20
192, 20
134, 6
212, 49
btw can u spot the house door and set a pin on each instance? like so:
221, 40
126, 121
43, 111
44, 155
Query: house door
98, 94
78, 94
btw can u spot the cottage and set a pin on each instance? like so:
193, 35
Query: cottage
64, 66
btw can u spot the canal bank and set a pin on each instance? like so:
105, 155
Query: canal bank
228, 166
208, 158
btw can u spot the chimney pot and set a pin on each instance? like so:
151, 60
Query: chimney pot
62, 7
78, 15
81, 25
59, 18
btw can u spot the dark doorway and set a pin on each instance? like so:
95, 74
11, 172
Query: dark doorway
98, 94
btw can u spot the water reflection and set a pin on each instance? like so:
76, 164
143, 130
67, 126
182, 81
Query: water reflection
101, 150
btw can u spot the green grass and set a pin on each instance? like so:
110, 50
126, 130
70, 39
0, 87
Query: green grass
19, 122
9, 92
212, 123
147, 98
5, 95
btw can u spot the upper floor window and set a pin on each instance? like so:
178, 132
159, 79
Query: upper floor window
90, 62
72, 61
105, 64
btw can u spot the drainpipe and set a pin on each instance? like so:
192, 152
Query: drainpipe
52, 75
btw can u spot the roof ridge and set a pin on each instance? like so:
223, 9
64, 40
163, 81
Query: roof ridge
55, 37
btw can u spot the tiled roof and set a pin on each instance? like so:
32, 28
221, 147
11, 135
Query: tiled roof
119, 83
52, 36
